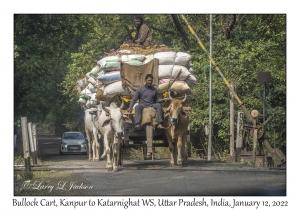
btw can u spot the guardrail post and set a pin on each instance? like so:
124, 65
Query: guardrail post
34, 135
26, 148
239, 136
231, 132
32, 144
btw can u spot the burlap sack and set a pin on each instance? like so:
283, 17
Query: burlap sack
149, 116
134, 76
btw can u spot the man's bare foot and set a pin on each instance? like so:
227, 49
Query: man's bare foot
137, 127
160, 126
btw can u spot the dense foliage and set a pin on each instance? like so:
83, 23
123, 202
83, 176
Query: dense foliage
52, 51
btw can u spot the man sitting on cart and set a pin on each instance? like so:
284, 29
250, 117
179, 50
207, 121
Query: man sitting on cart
148, 97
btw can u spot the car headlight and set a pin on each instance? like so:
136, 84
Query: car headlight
83, 144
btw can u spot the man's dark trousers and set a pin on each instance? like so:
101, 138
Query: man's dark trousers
139, 110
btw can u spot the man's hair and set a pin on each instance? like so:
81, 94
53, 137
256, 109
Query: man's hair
139, 18
113, 47
148, 75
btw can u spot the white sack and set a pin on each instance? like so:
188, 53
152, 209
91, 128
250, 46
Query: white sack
177, 86
87, 75
88, 104
91, 80
86, 92
85, 82
165, 71
183, 59
184, 73
91, 88
165, 58
114, 89
82, 101
93, 100
126, 58
191, 80
148, 58
170, 72
107, 59
93, 97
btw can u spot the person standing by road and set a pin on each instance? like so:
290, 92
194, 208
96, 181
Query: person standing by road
143, 34
148, 97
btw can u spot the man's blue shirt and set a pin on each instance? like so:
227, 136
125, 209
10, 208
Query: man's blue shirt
146, 94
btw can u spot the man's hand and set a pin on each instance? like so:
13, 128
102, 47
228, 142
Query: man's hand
162, 100
129, 110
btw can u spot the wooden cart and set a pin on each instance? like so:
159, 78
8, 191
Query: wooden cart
149, 136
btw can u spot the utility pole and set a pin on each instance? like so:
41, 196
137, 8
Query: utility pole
210, 94
231, 133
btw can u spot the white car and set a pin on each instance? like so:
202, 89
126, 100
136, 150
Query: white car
73, 142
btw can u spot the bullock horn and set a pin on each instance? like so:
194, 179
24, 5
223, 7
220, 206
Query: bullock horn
105, 109
170, 97
122, 104
168, 109
183, 100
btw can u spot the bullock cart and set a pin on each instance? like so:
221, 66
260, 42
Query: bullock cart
149, 136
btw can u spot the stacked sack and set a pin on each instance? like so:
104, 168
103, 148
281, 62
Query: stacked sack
103, 82
110, 73
170, 63
88, 88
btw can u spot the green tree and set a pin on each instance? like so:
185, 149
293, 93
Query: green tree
53, 51
42, 45
256, 43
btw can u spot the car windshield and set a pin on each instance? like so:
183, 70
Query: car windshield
73, 136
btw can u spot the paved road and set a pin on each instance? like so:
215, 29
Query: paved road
156, 178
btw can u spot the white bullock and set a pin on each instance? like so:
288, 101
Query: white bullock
91, 125
111, 126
